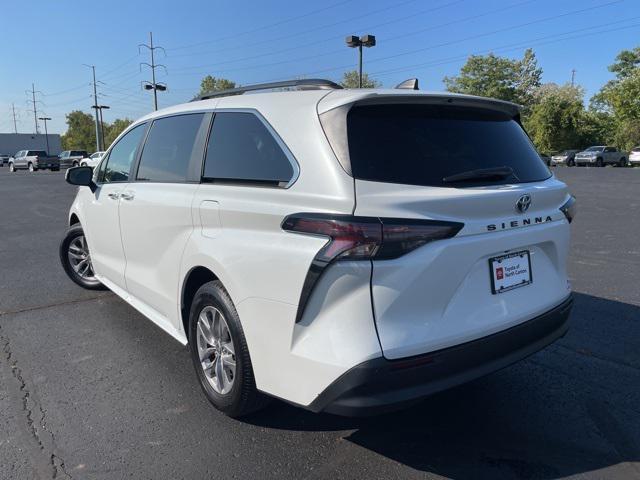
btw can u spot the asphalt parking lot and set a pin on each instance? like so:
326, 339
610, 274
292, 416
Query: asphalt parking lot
90, 389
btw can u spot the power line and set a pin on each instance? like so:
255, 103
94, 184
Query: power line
544, 40
461, 40
314, 29
264, 27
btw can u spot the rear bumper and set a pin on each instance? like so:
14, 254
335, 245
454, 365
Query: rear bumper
381, 385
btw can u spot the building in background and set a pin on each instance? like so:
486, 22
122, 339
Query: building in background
10, 143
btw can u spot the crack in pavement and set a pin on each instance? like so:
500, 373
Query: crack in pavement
59, 304
56, 465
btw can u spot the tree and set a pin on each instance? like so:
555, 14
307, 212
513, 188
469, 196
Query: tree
351, 78
111, 131
213, 84
620, 98
498, 77
557, 116
81, 132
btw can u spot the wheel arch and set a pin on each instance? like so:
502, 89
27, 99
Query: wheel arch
73, 219
195, 278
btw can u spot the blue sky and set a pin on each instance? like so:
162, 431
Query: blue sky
47, 42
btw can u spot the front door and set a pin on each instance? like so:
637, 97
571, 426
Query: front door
102, 215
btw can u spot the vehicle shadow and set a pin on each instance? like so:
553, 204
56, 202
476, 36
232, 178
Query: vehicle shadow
570, 409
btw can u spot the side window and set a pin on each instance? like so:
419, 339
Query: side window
241, 148
121, 157
171, 147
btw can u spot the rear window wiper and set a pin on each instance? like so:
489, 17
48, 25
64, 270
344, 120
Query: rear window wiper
497, 173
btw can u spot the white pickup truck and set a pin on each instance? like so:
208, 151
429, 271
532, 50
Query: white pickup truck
33, 160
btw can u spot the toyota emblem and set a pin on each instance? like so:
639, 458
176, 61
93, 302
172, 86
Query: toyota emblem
523, 203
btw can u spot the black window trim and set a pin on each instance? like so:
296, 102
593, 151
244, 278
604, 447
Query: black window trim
252, 183
107, 154
196, 166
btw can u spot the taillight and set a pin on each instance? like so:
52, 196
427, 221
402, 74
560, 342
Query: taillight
570, 208
362, 238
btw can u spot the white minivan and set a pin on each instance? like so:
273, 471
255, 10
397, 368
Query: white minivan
345, 250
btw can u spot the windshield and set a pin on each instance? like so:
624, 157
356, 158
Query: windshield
594, 149
423, 144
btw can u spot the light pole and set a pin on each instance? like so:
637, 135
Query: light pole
46, 132
364, 41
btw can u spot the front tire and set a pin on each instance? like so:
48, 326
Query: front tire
623, 162
220, 354
571, 163
76, 259
31, 168
12, 168
599, 162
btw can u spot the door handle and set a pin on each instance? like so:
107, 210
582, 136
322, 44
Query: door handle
113, 196
127, 195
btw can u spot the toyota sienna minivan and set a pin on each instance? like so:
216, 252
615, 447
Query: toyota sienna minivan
345, 250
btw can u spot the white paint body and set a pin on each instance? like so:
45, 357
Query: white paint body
145, 246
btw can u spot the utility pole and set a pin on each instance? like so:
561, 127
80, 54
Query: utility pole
95, 105
153, 65
15, 125
573, 77
35, 111
46, 132
99, 108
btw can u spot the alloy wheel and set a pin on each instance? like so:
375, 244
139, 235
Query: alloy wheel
216, 350
80, 258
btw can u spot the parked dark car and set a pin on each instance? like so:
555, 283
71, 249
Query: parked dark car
566, 157
4, 158
545, 158
72, 158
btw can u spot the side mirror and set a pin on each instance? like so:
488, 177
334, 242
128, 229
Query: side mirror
81, 176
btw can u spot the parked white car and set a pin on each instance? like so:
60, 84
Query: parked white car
601, 156
634, 156
92, 160
349, 251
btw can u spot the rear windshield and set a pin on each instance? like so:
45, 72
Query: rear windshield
37, 153
422, 144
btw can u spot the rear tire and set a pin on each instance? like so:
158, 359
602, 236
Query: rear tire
623, 162
74, 164
220, 354
599, 162
31, 168
571, 163
76, 259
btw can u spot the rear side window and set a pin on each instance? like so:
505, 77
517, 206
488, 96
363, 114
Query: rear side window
78, 153
37, 153
242, 149
121, 157
422, 144
170, 148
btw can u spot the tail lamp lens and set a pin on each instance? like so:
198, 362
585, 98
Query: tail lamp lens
359, 238
570, 209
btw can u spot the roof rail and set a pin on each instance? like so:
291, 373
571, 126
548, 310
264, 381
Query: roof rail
303, 84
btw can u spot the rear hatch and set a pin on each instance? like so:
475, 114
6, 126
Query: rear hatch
471, 164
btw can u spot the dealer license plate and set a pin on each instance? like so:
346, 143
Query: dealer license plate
510, 271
